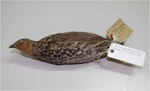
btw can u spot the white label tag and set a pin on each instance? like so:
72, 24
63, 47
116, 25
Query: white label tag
126, 54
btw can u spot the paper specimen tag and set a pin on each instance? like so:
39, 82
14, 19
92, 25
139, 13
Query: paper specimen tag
120, 30
126, 54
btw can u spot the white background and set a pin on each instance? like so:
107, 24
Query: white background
37, 19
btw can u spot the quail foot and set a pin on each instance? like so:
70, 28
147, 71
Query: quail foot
65, 48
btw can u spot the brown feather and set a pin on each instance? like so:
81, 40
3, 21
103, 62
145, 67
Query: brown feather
65, 48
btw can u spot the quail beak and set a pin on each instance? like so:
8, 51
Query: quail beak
12, 46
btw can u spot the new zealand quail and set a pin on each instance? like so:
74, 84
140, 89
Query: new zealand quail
65, 48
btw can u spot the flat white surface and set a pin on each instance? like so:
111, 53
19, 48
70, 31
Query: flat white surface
126, 54
36, 20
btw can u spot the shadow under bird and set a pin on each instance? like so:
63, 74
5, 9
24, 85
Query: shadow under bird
65, 48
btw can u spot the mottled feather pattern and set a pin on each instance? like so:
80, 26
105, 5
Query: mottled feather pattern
69, 48
65, 48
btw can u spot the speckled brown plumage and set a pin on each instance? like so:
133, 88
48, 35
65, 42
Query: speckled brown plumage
65, 48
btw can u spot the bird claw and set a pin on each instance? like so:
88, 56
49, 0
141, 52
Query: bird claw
99, 63
97, 58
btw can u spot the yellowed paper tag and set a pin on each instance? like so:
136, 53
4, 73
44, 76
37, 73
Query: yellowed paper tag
119, 30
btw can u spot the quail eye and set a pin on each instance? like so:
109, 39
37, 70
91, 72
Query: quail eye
18, 44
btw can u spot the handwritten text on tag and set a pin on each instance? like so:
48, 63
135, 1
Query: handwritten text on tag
126, 54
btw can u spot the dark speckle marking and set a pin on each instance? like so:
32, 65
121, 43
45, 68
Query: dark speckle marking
69, 48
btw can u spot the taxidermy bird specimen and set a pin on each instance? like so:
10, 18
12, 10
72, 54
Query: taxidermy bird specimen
65, 48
